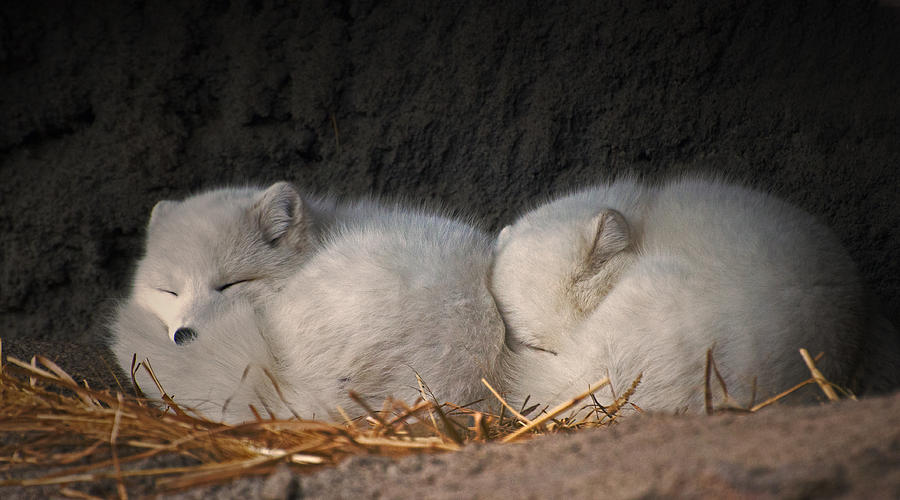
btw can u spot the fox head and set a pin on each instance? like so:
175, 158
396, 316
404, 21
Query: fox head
204, 252
554, 265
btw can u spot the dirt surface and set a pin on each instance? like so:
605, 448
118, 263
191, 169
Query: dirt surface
849, 450
487, 108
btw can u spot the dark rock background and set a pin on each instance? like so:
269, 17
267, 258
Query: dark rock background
485, 107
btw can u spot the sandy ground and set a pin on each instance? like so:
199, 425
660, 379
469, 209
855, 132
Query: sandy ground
842, 450
486, 108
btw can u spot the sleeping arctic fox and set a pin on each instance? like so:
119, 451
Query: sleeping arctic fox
328, 298
627, 278
204, 256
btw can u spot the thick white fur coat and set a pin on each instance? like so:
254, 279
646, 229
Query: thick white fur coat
709, 266
327, 298
391, 298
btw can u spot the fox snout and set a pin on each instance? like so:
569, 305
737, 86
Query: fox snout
184, 335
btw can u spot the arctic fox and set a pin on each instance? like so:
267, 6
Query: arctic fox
205, 254
325, 297
707, 265
392, 298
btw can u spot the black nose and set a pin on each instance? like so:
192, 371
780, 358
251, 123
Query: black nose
185, 335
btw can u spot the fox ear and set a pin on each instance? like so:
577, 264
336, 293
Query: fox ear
279, 210
609, 233
503, 237
160, 210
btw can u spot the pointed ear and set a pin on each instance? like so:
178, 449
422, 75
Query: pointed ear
279, 211
160, 210
502, 238
609, 232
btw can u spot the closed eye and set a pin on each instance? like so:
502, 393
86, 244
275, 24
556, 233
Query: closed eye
226, 286
536, 348
170, 292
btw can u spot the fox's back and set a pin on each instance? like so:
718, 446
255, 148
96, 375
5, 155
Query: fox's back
389, 297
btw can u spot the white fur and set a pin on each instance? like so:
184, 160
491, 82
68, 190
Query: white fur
393, 295
219, 375
710, 265
250, 238
337, 297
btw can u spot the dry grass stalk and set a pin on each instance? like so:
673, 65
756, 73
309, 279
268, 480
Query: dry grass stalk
707, 393
449, 427
556, 411
728, 402
70, 493
612, 410
117, 420
817, 376
730, 405
774, 399
506, 405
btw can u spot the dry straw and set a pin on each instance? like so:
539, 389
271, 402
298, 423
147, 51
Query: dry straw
59, 433
80, 435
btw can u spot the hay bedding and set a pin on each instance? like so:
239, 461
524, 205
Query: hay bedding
61, 434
